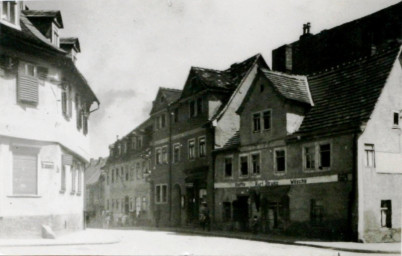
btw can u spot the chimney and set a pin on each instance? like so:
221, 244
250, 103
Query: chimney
306, 30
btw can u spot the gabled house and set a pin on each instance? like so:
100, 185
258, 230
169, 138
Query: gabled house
44, 143
317, 155
183, 160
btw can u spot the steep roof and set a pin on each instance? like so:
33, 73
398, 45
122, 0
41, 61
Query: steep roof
53, 14
31, 35
232, 143
70, 41
345, 96
226, 80
290, 86
169, 95
93, 170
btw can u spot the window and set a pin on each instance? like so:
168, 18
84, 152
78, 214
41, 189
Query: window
325, 156
396, 119
139, 142
9, 11
256, 122
107, 178
192, 108
316, 212
158, 155
163, 121
309, 156
202, 146
78, 111
191, 149
113, 176
79, 185
124, 148
161, 193
73, 183
255, 161
55, 35
27, 84
165, 155
25, 171
134, 143
199, 106
176, 153
280, 160
267, 119
176, 115
370, 155
127, 173
228, 167
63, 178
386, 213
66, 100
144, 203
243, 165
132, 172
226, 211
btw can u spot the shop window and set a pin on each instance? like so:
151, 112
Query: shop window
228, 167
25, 172
226, 211
309, 157
386, 214
370, 155
316, 212
202, 146
255, 163
191, 149
280, 160
325, 156
244, 165
176, 153
256, 122
267, 119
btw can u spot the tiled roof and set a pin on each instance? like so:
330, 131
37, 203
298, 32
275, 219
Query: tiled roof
171, 94
93, 170
289, 86
346, 95
44, 14
233, 142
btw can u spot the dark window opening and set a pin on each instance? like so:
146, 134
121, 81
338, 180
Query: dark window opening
386, 213
243, 165
325, 155
280, 160
228, 167
256, 122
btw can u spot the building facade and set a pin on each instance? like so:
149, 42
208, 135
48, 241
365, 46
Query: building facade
126, 186
44, 143
94, 192
305, 160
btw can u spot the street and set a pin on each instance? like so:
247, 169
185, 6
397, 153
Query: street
139, 242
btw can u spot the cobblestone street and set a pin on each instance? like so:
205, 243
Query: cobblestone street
138, 242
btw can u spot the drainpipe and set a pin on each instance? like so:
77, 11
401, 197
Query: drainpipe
171, 116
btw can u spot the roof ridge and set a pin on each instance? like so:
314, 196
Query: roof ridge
283, 73
360, 59
170, 89
205, 69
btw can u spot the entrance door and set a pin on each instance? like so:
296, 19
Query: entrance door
240, 212
176, 206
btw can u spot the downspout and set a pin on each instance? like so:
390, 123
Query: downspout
170, 164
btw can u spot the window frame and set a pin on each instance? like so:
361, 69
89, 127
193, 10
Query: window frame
160, 194
256, 120
202, 138
165, 155
367, 149
28, 151
388, 213
16, 23
158, 156
320, 167
314, 155
252, 171
240, 165
263, 120
231, 166
191, 156
276, 171
176, 146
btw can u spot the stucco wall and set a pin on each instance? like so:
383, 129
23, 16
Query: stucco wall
384, 181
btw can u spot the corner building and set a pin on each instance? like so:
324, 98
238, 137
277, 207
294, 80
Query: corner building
45, 106
312, 156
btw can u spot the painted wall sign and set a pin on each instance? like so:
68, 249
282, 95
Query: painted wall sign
47, 165
285, 182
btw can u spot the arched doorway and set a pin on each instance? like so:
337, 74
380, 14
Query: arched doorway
176, 206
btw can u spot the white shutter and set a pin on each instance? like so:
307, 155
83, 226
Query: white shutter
25, 174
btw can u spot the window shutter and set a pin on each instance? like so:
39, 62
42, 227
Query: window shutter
24, 174
27, 89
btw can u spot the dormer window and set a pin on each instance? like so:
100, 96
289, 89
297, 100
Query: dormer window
55, 36
9, 12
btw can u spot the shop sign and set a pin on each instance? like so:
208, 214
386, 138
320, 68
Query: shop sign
285, 182
47, 165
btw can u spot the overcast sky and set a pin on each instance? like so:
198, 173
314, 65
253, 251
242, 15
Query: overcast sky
131, 47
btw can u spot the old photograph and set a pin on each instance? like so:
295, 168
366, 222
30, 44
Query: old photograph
201, 127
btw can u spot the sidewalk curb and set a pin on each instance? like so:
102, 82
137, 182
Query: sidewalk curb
60, 244
276, 241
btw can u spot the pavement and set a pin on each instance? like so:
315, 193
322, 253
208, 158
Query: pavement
100, 236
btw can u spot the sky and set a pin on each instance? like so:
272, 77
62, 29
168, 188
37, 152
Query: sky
130, 48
